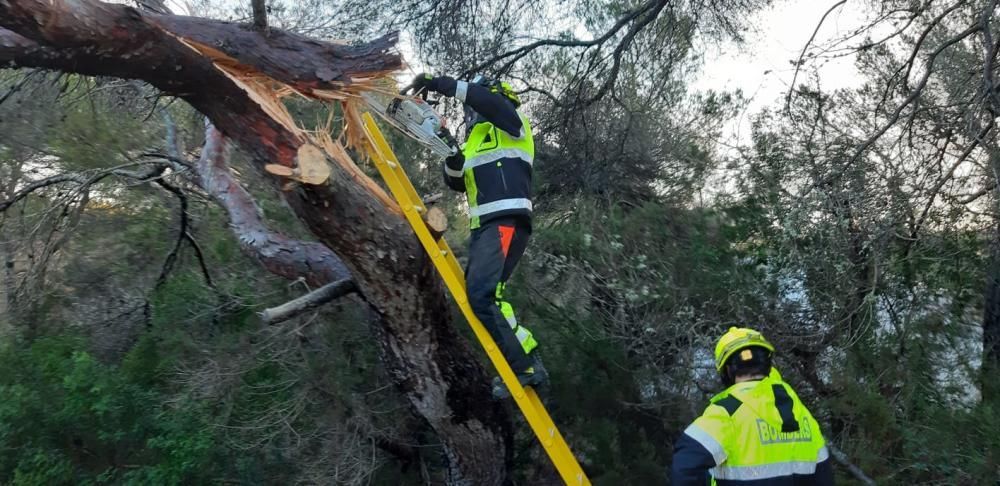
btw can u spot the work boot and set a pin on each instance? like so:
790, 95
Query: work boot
534, 376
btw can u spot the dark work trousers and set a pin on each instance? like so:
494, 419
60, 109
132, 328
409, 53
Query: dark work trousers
494, 250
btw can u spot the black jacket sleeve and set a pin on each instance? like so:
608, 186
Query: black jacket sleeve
494, 107
691, 463
455, 163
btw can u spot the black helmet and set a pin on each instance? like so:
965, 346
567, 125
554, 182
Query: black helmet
498, 87
471, 117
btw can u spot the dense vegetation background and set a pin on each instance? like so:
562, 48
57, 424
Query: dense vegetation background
858, 229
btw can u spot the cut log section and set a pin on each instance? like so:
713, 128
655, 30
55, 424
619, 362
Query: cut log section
436, 221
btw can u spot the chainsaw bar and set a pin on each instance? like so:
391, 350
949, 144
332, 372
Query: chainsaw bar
415, 118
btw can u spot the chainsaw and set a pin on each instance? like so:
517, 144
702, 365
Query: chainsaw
415, 117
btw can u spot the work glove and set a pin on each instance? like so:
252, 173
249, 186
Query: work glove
455, 161
454, 164
446, 135
422, 82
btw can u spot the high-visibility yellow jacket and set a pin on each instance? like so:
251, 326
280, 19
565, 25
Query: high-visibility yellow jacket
754, 433
494, 168
497, 172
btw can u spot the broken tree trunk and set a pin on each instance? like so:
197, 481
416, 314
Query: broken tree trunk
221, 69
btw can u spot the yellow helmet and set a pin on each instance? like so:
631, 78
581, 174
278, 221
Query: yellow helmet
735, 339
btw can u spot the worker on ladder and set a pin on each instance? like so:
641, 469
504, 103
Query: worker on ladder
757, 431
494, 169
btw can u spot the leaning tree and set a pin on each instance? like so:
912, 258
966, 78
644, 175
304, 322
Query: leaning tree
236, 75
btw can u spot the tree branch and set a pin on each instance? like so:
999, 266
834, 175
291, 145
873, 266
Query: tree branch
308, 302
864, 146
798, 65
989, 58
276, 252
920, 41
855, 471
520, 52
944, 180
168, 263
259, 15
201, 259
623, 46
34, 186
916, 91
18, 86
908, 65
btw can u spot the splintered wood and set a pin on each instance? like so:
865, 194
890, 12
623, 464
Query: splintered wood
317, 145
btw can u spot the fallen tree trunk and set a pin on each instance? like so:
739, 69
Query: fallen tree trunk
221, 69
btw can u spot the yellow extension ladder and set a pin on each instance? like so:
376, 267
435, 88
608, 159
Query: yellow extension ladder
446, 264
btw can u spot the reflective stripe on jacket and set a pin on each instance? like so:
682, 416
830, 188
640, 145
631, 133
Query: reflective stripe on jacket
497, 172
754, 433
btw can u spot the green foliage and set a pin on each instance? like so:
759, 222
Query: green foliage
616, 297
68, 419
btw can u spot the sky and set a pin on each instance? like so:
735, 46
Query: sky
762, 67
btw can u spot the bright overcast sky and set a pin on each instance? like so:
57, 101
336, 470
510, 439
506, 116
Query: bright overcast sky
763, 68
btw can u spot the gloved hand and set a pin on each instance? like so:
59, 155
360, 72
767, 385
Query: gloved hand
455, 161
445, 134
422, 82
452, 171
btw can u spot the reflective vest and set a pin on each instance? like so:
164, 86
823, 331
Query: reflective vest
759, 431
497, 172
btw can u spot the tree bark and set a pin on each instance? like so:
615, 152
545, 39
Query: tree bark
429, 361
259, 14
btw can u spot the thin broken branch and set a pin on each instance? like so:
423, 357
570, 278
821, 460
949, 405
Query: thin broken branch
308, 302
843, 460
